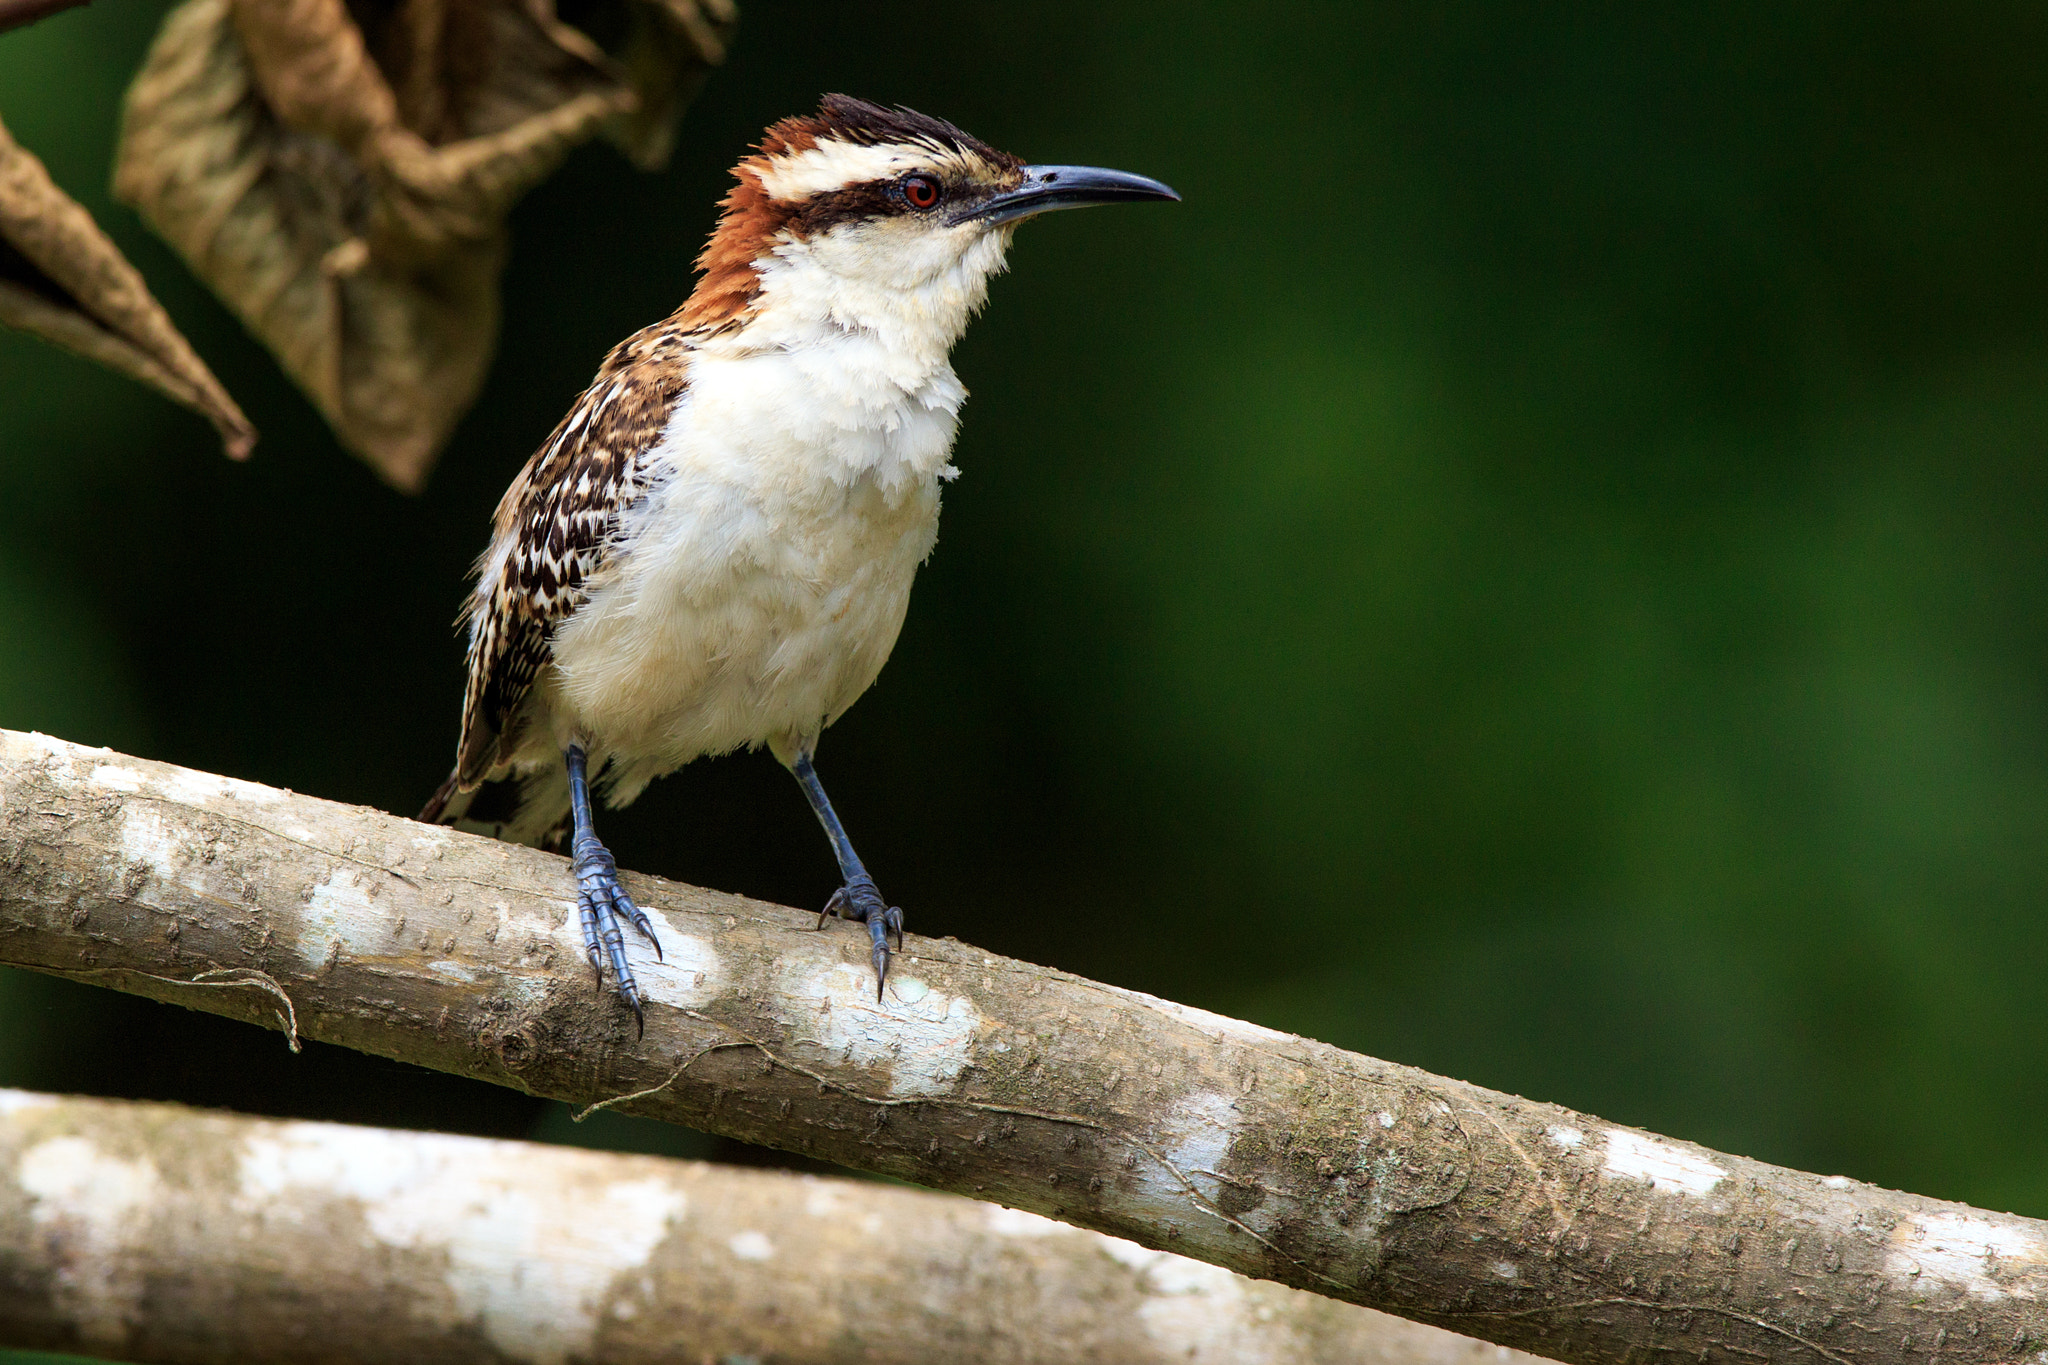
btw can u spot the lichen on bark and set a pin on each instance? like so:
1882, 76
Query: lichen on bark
1271, 1155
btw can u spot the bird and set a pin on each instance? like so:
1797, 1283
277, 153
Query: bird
714, 549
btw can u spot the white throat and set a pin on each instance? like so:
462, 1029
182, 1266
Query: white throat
912, 288
845, 353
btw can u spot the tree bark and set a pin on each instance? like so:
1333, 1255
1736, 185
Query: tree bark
1274, 1156
160, 1235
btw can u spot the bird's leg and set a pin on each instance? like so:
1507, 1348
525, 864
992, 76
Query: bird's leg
857, 899
600, 900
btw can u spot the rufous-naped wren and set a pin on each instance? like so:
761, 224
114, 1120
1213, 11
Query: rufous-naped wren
714, 549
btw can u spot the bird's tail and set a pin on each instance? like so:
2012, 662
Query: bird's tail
448, 803
520, 808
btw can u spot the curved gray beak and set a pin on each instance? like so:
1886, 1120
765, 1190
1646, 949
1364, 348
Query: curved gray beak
1046, 188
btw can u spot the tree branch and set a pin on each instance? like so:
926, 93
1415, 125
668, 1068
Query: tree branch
305, 1242
1271, 1155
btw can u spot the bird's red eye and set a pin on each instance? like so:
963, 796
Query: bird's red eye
921, 190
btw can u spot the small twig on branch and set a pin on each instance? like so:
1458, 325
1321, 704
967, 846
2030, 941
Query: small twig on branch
233, 976
1270, 1155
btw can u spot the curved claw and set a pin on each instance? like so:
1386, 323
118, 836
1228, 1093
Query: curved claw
880, 957
640, 922
860, 901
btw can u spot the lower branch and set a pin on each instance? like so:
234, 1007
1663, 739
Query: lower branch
1267, 1154
297, 1243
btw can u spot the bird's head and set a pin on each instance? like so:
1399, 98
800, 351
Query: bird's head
870, 218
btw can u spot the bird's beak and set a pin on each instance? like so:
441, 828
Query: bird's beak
1046, 188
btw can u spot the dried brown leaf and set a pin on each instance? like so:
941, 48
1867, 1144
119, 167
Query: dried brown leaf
62, 279
674, 45
16, 13
341, 174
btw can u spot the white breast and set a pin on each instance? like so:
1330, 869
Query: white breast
759, 587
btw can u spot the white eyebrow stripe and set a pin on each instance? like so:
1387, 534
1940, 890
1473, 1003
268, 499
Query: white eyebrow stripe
833, 165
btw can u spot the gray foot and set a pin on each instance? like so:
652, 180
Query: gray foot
859, 900
600, 903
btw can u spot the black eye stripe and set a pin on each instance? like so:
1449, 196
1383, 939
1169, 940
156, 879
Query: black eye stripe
867, 200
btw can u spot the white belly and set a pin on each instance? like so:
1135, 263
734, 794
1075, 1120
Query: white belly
758, 590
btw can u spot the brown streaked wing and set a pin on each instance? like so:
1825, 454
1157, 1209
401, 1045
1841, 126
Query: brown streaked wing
559, 515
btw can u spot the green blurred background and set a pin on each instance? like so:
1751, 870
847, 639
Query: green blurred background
1536, 569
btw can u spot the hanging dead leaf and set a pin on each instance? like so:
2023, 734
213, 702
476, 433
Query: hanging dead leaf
16, 13
674, 45
63, 280
340, 174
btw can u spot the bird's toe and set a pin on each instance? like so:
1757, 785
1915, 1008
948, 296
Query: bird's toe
861, 901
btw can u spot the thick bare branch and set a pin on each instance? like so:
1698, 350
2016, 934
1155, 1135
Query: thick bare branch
1271, 1155
299, 1243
